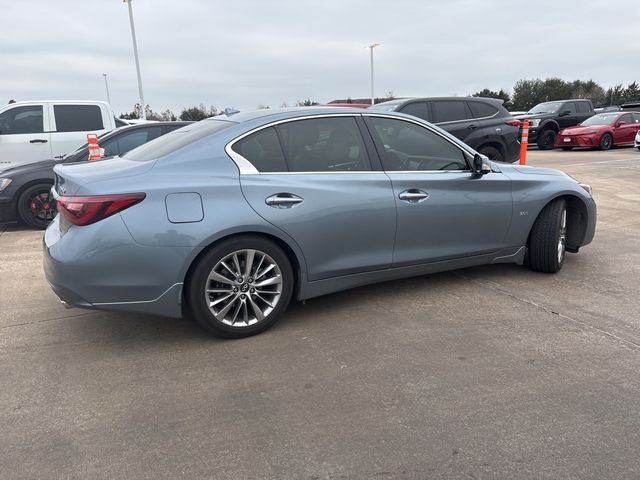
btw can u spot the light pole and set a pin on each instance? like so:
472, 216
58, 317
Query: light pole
371, 47
106, 85
135, 54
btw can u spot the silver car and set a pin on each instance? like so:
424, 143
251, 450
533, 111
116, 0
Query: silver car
231, 217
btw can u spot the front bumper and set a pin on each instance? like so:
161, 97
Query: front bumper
7, 211
577, 141
100, 267
636, 142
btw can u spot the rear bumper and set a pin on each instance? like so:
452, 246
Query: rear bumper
100, 267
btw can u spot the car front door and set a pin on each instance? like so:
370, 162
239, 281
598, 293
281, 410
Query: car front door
314, 179
22, 135
568, 115
624, 130
444, 211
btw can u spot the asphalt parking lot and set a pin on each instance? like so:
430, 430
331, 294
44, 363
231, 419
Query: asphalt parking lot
490, 372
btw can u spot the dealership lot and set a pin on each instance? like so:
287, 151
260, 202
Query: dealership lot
490, 372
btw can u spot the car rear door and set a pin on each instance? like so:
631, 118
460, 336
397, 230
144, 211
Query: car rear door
24, 135
444, 211
454, 116
314, 179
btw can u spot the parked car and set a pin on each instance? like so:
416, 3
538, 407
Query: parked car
603, 131
636, 142
482, 123
233, 216
548, 118
33, 131
25, 189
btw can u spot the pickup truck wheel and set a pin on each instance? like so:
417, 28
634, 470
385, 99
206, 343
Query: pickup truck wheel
546, 140
548, 238
36, 206
492, 153
606, 141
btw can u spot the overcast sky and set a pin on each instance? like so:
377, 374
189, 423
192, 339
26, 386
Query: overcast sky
245, 53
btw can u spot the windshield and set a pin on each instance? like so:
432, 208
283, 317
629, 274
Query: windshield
546, 107
179, 138
600, 119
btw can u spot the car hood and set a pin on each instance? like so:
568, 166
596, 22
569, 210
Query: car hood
29, 167
528, 170
580, 130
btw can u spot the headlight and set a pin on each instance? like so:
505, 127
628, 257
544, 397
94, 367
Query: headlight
590, 132
4, 183
534, 122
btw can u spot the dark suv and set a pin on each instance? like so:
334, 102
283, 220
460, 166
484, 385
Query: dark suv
482, 123
548, 118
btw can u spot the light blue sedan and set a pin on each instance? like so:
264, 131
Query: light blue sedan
233, 216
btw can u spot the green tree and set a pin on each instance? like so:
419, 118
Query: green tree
307, 103
501, 95
197, 113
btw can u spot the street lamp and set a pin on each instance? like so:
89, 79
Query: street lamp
371, 47
106, 85
135, 54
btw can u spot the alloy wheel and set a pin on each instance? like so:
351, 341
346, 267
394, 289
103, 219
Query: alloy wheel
562, 236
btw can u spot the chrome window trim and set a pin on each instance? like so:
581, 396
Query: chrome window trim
246, 167
467, 119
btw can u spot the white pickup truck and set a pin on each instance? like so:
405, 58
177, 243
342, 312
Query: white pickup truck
33, 131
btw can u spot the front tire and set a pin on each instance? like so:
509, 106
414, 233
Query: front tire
547, 140
548, 238
36, 206
492, 153
240, 287
606, 141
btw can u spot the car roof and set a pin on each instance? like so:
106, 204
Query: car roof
249, 115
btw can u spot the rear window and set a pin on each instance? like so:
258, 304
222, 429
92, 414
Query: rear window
482, 110
583, 107
177, 139
77, 118
417, 109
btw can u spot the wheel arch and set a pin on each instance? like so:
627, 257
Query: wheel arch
297, 263
495, 144
549, 125
577, 220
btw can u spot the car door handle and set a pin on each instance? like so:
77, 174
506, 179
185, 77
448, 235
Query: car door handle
413, 195
38, 140
472, 127
283, 200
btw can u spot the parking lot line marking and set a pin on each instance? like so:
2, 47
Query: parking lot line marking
493, 286
601, 161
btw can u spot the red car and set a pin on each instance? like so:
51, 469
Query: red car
603, 131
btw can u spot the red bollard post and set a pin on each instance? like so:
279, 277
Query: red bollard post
524, 142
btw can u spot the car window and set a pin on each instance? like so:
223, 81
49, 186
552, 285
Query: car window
19, 120
262, 149
417, 109
449, 111
332, 144
627, 117
636, 117
482, 109
77, 118
569, 106
130, 140
583, 107
410, 147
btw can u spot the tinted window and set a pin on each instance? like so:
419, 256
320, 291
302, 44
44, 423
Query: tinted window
482, 110
407, 146
78, 118
130, 140
21, 120
417, 109
570, 106
449, 111
323, 144
583, 107
263, 150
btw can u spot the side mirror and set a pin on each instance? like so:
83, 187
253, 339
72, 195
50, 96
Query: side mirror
480, 167
565, 113
621, 123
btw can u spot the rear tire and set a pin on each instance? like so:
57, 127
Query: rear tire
36, 206
606, 141
548, 238
240, 287
492, 153
546, 140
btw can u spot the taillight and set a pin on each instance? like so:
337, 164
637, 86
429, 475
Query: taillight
513, 123
88, 210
